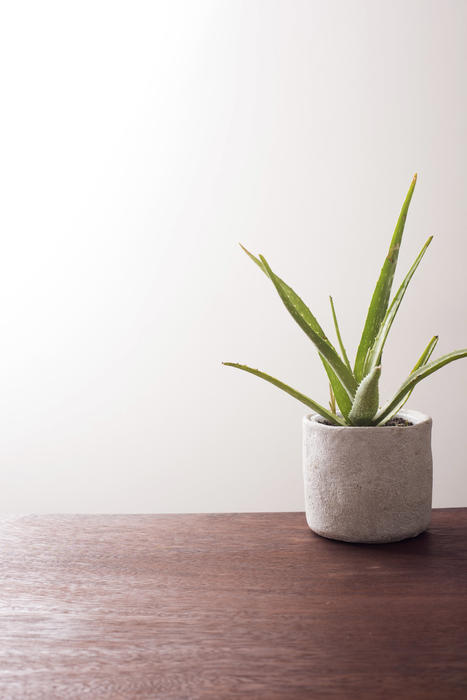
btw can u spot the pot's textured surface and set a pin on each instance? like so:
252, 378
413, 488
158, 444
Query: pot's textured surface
368, 484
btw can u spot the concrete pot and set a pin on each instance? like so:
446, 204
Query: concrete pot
368, 484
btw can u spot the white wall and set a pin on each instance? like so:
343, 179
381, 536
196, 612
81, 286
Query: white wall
140, 141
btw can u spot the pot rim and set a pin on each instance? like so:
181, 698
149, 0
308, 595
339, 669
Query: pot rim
415, 417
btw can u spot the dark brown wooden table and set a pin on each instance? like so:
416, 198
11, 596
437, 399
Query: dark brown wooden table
228, 606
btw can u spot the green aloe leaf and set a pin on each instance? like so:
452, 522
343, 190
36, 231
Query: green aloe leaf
332, 400
426, 354
304, 310
366, 401
422, 360
338, 333
255, 259
416, 377
341, 394
375, 353
301, 314
332, 418
380, 299
343, 399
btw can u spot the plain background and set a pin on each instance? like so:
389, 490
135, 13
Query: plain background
140, 141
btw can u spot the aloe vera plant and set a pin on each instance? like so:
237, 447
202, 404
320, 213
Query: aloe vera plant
354, 391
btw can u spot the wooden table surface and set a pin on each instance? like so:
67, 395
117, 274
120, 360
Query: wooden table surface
228, 606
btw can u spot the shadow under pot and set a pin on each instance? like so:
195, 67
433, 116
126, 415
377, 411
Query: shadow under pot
368, 484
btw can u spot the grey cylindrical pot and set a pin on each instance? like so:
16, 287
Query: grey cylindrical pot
366, 484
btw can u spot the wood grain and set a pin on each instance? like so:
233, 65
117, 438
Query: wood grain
228, 606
